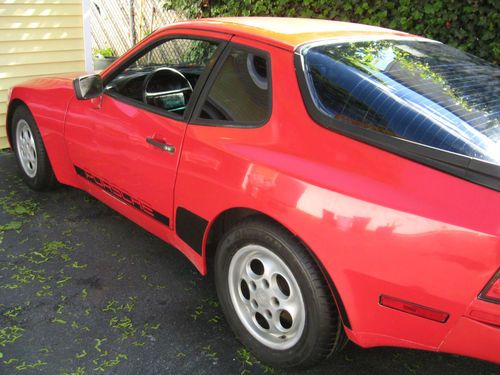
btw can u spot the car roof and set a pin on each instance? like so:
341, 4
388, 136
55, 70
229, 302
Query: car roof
289, 33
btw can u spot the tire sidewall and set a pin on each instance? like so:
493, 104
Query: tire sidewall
42, 177
252, 235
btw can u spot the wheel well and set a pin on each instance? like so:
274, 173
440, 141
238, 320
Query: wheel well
223, 223
10, 112
229, 218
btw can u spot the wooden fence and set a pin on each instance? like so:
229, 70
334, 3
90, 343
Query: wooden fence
115, 26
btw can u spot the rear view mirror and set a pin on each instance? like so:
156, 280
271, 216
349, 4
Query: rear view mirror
88, 87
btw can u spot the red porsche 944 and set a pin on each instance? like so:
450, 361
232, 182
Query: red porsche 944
343, 178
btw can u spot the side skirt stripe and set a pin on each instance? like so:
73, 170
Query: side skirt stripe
190, 228
123, 196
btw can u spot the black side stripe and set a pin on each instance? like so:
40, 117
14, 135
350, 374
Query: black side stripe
190, 228
123, 196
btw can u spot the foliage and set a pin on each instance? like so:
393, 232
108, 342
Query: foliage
471, 25
103, 52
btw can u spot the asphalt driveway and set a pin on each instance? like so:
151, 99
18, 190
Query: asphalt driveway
84, 291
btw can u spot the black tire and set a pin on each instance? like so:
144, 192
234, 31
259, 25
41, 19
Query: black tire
323, 332
43, 178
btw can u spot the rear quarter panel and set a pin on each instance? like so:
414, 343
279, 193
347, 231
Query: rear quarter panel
378, 223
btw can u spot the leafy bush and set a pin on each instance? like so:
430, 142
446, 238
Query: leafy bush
103, 52
471, 25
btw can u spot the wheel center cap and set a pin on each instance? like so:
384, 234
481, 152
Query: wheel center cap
261, 297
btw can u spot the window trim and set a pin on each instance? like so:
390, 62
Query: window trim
196, 120
222, 44
468, 168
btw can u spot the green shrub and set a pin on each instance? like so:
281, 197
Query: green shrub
103, 52
471, 25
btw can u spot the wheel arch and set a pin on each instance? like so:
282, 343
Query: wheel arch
228, 218
13, 105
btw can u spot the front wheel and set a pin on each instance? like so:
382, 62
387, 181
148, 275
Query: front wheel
275, 297
30, 152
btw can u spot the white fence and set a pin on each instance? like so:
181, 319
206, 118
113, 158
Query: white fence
119, 24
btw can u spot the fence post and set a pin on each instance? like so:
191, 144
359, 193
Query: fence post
132, 23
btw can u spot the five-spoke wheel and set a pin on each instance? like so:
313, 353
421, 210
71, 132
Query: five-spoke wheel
266, 297
26, 149
274, 295
30, 151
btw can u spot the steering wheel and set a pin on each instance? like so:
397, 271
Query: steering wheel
166, 88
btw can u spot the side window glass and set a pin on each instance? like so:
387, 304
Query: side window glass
241, 92
166, 76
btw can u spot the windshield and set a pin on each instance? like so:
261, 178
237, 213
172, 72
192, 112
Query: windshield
417, 90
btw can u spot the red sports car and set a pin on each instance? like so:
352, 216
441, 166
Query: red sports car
345, 178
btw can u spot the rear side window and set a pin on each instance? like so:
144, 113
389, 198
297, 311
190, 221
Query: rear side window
425, 92
241, 91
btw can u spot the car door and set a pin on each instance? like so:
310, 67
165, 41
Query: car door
128, 141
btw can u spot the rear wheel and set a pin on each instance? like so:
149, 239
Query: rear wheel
30, 152
275, 297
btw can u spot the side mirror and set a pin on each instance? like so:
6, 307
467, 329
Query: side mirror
88, 87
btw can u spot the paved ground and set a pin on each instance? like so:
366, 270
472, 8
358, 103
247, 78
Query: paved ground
83, 291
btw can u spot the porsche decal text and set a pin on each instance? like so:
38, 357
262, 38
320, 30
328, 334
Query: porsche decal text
118, 193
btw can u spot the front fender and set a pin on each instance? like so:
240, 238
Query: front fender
48, 100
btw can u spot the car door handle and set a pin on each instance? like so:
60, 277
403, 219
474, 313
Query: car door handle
161, 145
